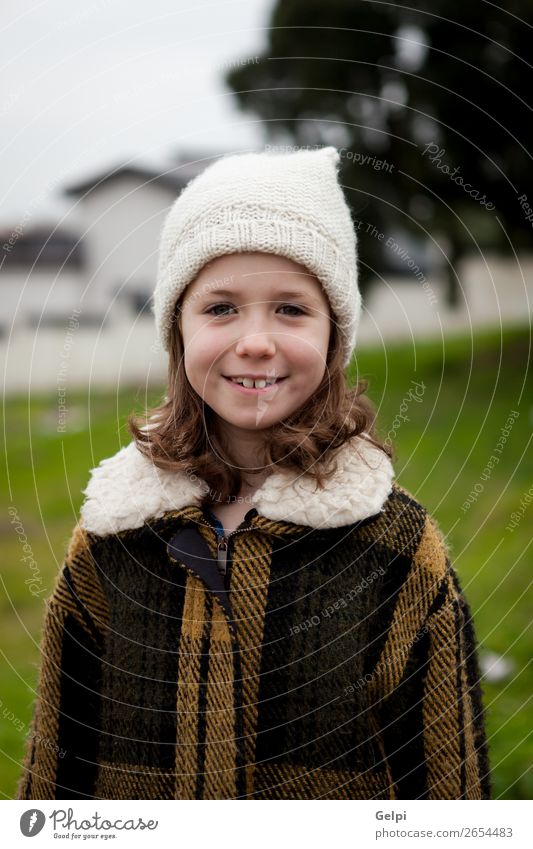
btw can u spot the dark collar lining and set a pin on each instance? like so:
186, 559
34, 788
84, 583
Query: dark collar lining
189, 547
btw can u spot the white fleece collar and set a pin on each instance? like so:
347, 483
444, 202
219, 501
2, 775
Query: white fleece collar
126, 490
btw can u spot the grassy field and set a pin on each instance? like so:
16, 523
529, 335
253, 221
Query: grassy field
443, 405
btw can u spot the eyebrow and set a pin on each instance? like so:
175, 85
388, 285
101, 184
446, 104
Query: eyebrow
287, 293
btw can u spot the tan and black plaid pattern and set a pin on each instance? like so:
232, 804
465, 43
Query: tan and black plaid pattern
153, 692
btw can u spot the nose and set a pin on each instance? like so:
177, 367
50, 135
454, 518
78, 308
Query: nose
256, 344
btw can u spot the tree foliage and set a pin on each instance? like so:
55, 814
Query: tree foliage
439, 92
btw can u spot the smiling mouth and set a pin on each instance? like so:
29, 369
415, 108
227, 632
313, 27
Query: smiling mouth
250, 384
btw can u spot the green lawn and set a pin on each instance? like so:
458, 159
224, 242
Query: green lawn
467, 390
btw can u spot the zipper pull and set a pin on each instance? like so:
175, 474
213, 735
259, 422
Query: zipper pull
222, 555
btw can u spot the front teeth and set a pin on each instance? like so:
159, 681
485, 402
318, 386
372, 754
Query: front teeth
251, 384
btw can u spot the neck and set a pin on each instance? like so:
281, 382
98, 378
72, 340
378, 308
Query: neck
250, 483
243, 450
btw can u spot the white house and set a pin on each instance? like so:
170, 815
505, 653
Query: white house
101, 258
120, 214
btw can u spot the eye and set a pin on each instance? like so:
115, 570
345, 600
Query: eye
214, 307
210, 310
293, 307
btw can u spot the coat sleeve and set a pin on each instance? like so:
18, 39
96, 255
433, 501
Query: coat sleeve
62, 743
427, 692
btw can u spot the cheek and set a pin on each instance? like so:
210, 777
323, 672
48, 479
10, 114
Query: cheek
311, 363
308, 354
201, 344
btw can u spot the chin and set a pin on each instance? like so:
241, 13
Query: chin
253, 421
253, 424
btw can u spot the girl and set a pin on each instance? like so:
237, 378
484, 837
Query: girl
250, 606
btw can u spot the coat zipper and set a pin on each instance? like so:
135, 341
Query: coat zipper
223, 562
241, 777
223, 544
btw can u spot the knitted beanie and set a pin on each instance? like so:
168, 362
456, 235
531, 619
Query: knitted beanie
290, 204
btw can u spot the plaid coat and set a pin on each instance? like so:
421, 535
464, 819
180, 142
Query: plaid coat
335, 658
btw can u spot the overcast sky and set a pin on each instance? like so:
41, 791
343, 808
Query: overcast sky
84, 86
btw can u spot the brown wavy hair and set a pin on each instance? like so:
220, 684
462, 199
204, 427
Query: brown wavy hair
181, 434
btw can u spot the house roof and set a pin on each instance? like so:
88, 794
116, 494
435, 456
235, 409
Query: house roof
174, 176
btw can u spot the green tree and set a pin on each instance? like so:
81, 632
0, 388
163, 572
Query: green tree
440, 92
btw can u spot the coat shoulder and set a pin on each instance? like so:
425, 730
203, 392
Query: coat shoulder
407, 529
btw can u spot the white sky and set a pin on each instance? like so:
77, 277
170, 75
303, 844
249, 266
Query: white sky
86, 85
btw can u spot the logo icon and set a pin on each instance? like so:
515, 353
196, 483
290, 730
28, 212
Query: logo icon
32, 822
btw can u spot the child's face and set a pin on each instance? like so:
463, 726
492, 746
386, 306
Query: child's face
274, 324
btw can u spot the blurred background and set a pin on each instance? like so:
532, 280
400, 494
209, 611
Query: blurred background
110, 108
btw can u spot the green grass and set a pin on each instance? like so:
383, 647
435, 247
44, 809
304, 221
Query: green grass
470, 387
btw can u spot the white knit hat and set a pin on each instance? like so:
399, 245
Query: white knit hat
290, 204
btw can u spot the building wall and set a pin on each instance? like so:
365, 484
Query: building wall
121, 224
31, 298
